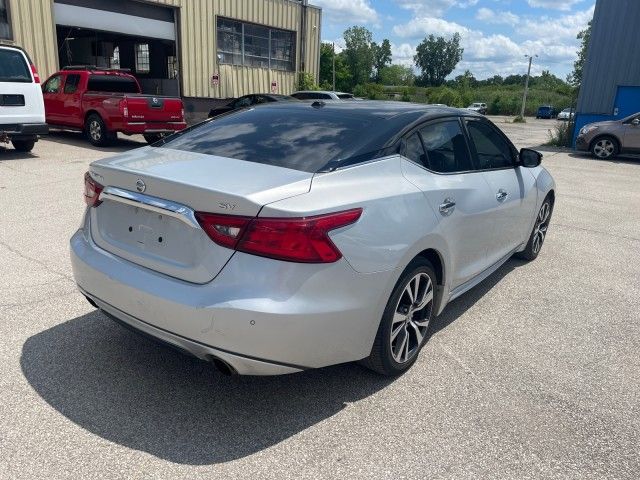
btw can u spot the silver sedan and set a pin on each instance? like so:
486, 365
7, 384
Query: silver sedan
294, 236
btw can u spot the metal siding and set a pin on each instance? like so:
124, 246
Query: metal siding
34, 30
612, 55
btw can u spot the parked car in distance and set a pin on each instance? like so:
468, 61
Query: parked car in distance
22, 116
322, 95
294, 235
103, 102
608, 139
478, 107
249, 100
546, 111
566, 114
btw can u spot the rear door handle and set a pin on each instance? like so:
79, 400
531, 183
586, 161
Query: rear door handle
502, 195
447, 207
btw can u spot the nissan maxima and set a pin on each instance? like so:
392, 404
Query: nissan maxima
293, 236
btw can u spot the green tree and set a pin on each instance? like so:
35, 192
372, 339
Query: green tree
381, 57
358, 54
397, 75
575, 78
343, 76
436, 57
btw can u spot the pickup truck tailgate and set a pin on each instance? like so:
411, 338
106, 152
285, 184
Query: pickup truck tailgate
148, 108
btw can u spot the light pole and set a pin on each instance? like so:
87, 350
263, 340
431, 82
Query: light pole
334, 66
526, 85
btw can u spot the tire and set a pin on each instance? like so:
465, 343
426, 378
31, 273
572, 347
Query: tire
153, 137
539, 233
96, 131
604, 147
23, 145
404, 327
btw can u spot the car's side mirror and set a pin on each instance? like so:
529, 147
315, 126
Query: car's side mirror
530, 158
635, 122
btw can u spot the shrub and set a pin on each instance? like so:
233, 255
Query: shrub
560, 136
405, 95
306, 82
519, 119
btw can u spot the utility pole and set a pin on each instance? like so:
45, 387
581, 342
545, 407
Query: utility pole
334, 66
526, 86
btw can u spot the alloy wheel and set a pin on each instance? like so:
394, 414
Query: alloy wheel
542, 224
604, 148
95, 130
411, 318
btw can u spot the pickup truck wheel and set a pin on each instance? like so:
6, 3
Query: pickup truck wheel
153, 137
23, 145
96, 131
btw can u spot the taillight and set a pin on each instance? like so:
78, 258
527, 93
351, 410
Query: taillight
225, 230
92, 190
292, 239
34, 70
124, 108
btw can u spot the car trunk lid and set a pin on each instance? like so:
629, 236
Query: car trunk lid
151, 194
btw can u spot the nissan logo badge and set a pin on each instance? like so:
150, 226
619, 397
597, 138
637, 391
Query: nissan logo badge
140, 186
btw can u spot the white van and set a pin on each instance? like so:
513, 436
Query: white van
21, 105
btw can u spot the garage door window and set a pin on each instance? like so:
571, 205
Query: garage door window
254, 45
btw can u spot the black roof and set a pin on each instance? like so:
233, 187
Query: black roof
317, 136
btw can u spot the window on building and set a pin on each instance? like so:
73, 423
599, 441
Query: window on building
142, 58
5, 20
255, 45
172, 67
114, 61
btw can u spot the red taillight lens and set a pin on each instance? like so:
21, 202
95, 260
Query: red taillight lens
34, 70
292, 239
92, 190
124, 108
225, 230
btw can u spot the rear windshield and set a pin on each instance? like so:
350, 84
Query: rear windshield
13, 67
345, 96
305, 140
112, 83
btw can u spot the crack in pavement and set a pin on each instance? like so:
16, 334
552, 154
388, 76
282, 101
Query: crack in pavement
39, 262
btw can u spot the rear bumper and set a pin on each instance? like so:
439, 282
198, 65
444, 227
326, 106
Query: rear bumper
16, 130
132, 128
260, 316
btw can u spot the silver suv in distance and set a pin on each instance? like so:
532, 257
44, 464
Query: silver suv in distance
294, 235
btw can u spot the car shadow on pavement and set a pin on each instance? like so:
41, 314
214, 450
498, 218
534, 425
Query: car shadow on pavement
8, 153
148, 397
463, 303
620, 159
77, 139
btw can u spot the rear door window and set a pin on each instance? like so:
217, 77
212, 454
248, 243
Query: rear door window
13, 66
71, 84
413, 150
446, 147
112, 83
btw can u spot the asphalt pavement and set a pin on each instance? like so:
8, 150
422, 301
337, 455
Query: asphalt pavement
532, 374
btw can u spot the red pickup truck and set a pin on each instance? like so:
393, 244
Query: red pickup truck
102, 102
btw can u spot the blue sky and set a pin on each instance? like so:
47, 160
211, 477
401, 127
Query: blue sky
496, 34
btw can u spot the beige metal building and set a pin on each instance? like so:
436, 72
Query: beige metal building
199, 49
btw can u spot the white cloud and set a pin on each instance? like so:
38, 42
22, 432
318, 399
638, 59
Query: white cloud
489, 16
403, 54
553, 30
554, 4
434, 8
356, 11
